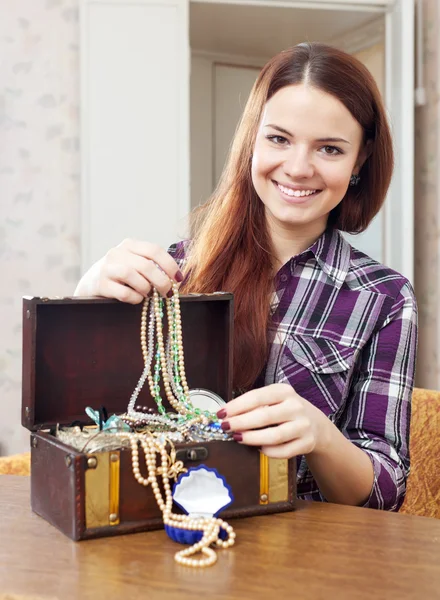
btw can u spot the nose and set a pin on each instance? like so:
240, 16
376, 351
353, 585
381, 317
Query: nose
298, 164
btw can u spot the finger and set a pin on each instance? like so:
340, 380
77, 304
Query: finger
127, 275
157, 278
272, 394
297, 447
260, 417
274, 436
155, 253
139, 273
119, 291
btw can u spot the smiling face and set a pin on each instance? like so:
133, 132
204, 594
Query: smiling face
307, 147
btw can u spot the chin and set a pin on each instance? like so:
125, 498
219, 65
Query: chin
293, 217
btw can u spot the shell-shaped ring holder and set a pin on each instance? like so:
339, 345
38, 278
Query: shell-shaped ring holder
201, 492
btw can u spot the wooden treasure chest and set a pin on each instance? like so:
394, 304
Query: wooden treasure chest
80, 353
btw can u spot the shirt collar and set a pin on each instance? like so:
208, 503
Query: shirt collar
333, 253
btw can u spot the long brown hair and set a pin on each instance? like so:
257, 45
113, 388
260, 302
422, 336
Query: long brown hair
231, 249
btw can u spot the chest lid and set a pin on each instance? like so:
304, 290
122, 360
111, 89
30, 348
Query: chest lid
80, 352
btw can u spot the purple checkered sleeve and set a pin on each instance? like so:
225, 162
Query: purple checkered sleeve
377, 417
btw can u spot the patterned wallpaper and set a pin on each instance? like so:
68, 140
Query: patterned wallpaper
39, 177
39, 184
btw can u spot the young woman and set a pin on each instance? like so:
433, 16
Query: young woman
325, 337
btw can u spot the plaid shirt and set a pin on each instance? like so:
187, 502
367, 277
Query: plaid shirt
343, 334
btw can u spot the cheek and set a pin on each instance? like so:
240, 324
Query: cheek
260, 170
262, 163
336, 179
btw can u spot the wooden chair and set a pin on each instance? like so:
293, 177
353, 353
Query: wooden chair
18, 464
423, 491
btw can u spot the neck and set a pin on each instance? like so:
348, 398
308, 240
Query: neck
288, 241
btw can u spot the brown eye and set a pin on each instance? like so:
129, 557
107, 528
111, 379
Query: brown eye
277, 139
331, 150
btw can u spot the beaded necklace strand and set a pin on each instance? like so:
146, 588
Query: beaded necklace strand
210, 526
170, 362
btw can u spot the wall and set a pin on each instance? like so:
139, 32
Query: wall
39, 177
201, 129
219, 87
427, 206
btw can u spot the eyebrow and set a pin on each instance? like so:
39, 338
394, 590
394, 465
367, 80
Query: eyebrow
328, 139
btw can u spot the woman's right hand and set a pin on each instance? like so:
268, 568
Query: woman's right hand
129, 271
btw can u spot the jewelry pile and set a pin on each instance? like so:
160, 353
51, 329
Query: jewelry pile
188, 423
154, 432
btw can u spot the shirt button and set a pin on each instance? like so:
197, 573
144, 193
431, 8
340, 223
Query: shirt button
283, 278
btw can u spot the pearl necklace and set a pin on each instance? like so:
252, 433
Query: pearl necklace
186, 422
181, 404
170, 468
192, 422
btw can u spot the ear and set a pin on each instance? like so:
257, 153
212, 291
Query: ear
364, 154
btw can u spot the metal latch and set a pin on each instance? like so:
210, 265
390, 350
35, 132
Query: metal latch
193, 454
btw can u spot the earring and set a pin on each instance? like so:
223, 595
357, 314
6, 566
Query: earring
354, 180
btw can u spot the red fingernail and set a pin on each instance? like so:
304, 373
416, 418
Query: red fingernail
170, 294
221, 414
225, 426
238, 437
178, 276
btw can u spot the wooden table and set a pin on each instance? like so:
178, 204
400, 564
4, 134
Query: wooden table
319, 551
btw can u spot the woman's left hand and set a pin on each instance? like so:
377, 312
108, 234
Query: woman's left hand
277, 419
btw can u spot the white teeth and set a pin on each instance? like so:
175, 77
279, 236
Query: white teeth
295, 193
